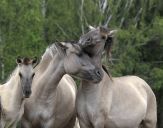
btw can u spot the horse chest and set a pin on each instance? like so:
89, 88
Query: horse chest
43, 112
89, 110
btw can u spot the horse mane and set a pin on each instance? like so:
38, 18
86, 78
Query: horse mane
106, 70
71, 41
50, 51
108, 46
12, 74
54, 48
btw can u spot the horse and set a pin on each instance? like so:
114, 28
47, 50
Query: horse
114, 102
52, 103
15, 91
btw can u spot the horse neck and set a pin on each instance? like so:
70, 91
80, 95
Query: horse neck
97, 60
91, 86
16, 92
42, 66
48, 81
93, 92
88, 87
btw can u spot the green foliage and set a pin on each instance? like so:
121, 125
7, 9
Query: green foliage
156, 74
21, 31
28, 27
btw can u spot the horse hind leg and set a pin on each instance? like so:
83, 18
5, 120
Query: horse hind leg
148, 124
150, 120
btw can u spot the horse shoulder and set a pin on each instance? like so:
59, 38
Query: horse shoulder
142, 86
66, 92
68, 85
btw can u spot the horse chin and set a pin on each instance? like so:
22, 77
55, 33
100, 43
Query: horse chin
96, 80
26, 95
89, 78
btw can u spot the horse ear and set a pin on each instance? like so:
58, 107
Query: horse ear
61, 48
91, 27
19, 60
34, 61
75, 48
65, 45
112, 33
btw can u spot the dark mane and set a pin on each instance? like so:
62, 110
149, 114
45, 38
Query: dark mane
71, 41
105, 69
108, 45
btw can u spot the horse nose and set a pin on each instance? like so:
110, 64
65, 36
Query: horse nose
98, 73
27, 93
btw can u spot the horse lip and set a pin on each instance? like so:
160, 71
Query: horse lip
27, 96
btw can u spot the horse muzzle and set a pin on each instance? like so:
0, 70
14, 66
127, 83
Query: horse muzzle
27, 93
97, 76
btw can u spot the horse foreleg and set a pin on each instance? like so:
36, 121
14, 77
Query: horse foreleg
71, 123
83, 125
25, 124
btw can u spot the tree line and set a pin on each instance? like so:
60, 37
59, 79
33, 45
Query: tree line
28, 27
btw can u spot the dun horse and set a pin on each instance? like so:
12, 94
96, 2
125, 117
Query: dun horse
14, 92
122, 102
52, 103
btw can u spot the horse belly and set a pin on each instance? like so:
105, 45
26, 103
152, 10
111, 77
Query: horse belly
128, 106
126, 117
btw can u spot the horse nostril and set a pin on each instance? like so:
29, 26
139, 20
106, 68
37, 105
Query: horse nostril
27, 93
98, 73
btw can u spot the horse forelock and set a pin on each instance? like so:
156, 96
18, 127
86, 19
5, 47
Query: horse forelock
26, 61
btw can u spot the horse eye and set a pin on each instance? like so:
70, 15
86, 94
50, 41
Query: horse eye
103, 37
83, 64
88, 40
80, 54
33, 75
20, 74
